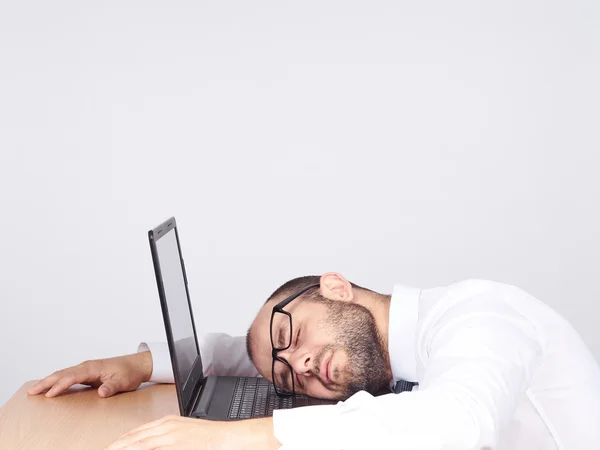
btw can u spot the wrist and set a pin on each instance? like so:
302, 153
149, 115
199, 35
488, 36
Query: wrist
255, 434
144, 363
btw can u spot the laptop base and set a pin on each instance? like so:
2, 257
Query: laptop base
237, 398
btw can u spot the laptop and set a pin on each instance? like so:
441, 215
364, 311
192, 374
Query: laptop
212, 397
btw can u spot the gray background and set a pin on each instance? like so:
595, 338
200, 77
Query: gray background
394, 141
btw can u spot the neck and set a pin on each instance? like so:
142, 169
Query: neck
379, 306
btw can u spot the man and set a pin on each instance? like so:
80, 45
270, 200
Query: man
495, 368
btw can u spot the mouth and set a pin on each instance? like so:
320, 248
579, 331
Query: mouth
326, 370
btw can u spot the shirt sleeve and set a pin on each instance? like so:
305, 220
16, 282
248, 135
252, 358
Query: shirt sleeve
225, 355
479, 355
222, 355
162, 371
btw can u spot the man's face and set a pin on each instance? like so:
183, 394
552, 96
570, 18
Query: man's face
335, 350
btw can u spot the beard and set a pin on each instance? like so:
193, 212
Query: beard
355, 332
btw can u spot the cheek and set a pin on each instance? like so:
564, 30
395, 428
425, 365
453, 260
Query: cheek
318, 336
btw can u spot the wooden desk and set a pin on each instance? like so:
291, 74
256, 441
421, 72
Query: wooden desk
79, 419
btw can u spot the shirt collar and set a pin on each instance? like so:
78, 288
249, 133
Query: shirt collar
404, 317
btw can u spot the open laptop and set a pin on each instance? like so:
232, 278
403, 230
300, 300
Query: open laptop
216, 398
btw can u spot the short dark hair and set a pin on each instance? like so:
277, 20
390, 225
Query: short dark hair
299, 283
295, 285
288, 288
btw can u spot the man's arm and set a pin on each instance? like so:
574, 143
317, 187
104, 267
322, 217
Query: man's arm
222, 355
111, 375
185, 433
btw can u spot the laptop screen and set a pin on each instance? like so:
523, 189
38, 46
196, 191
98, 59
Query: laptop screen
174, 282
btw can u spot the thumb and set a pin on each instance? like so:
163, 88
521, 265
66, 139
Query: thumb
108, 389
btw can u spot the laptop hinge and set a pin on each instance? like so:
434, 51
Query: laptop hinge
194, 397
204, 397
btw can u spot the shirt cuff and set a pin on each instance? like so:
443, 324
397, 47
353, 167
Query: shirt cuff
162, 371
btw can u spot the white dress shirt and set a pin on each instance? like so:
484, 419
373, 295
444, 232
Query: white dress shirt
496, 368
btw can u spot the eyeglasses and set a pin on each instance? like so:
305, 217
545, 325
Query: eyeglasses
281, 370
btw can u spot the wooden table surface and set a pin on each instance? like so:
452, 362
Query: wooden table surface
79, 419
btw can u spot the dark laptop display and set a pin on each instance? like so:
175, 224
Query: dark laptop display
218, 398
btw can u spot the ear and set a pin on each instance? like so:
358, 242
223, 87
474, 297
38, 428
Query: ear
335, 287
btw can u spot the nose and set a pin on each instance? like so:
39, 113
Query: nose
300, 360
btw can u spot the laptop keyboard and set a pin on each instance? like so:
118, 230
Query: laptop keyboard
256, 397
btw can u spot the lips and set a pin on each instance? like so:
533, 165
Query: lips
325, 371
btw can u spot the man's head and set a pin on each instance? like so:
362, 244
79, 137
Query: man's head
338, 340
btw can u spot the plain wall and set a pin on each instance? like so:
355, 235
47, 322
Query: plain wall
396, 142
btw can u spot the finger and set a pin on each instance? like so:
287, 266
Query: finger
109, 388
47, 383
68, 380
44, 384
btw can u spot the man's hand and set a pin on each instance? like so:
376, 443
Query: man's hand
184, 433
112, 375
